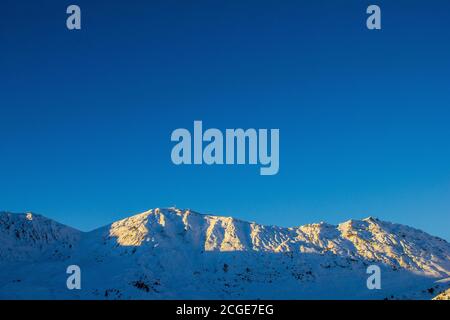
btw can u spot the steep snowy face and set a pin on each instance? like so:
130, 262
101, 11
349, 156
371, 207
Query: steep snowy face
130, 231
184, 228
398, 246
370, 240
30, 236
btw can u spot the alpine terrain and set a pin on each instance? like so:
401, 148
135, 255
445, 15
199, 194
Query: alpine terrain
181, 254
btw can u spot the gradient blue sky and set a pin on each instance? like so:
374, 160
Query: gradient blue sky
86, 116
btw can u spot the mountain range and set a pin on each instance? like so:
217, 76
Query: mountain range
181, 254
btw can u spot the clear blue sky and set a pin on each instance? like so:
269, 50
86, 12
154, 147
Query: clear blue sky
86, 116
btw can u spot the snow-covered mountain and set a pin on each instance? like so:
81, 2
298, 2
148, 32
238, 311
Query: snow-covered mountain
181, 254
27, 237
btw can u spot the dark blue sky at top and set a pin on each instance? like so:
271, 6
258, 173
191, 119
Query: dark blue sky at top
86, 116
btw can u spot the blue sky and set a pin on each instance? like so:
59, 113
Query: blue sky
86, 116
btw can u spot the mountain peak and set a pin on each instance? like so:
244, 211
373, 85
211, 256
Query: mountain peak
371, 219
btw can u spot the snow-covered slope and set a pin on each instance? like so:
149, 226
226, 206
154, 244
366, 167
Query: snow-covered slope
443, 296
171, 253
25, 237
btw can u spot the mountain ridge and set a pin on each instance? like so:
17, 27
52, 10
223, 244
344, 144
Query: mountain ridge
223, 257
